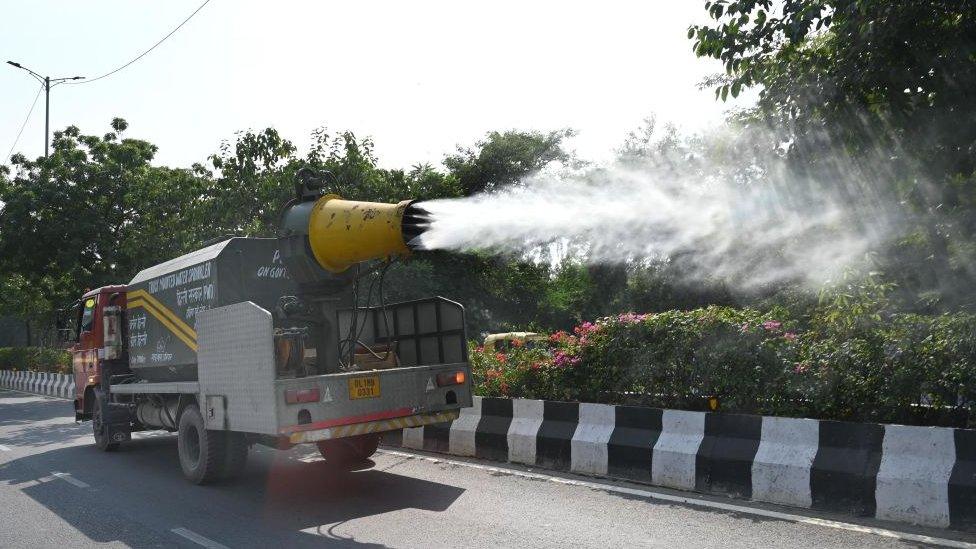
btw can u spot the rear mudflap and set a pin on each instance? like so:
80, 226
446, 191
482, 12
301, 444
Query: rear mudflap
116, 421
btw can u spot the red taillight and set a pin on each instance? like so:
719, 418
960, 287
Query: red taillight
452, 378
294, 396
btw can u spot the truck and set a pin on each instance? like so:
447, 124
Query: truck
268, 341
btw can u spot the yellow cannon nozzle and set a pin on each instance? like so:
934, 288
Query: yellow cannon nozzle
342, 233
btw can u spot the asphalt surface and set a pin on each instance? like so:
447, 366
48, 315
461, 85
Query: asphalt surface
57, 490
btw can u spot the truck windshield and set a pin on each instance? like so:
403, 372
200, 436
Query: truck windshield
88, 315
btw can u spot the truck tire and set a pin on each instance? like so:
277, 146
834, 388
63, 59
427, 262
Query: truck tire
102, 441
202, 452
235, 456
349, 450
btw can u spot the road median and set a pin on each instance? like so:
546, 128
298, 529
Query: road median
42, 383
917, 475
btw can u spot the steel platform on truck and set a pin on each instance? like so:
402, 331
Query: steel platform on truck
167, 387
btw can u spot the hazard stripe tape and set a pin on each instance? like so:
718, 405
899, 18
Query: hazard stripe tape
343, 431
350, 420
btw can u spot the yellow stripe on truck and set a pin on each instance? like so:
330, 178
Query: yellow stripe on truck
141, 299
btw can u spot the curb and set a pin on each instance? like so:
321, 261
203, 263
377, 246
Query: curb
918, 475
43, 383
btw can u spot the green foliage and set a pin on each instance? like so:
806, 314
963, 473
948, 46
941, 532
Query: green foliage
97, 211
29, 302
886, 83
906, 368
35, 359
819, 46
93, 213
505, 158
251, 184
526, 372
855, 300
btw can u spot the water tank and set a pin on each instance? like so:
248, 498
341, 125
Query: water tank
163, 301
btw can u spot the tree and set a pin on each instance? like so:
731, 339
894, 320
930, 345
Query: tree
93, 213
254, 181
865, 71
505, 158
30, 302
888, 84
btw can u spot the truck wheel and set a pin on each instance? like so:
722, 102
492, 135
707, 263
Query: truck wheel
202, 452
102, 441
235, 457
349, 450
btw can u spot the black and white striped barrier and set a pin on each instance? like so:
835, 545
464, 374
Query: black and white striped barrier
44, 383
918, 475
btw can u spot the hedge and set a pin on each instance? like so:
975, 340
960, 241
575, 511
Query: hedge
36, 359
899, 368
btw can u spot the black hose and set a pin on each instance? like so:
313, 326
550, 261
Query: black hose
356, 329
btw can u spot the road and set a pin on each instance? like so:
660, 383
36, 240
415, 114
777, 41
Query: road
56, 490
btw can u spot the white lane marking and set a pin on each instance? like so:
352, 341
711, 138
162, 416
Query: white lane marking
4, 448
883, 532
70, 479
197, 538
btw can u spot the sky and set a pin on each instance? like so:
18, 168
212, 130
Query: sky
421, 78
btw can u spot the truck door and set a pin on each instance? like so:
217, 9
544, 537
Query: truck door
84, 359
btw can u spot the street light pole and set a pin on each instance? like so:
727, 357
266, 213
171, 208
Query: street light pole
47, 113
48, 83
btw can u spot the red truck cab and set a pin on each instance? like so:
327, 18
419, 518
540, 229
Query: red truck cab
97, 337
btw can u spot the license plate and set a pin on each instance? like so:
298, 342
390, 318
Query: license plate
364, 387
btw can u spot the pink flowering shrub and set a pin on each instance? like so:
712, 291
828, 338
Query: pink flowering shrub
521, 371
772, 325
680, 358
899, 368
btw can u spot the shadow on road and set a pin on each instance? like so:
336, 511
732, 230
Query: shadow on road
317, 498
141, 487
32, 420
